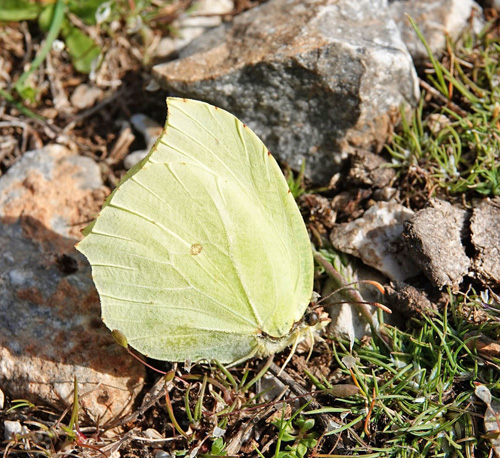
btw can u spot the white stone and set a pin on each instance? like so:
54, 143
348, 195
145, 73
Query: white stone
12, 429
376, 239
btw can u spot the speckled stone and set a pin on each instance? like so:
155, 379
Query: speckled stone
50, 326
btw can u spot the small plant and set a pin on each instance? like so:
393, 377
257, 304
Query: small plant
217, 448
70, 21
298, 433
47, 437
296, 181
55, 19
20, 404
418, 399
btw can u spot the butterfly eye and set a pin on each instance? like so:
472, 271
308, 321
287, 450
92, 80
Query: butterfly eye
312, 319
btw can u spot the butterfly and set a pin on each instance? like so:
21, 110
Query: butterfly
201, 252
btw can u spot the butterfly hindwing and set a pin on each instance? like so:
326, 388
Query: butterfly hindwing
202, 247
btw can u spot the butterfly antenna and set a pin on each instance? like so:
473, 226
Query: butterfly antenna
121, 340
348, 286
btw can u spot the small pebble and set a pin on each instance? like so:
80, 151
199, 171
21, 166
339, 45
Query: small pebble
147, 127
12, 428
134, 158
162, 454
218, 432
150, 130
85, 96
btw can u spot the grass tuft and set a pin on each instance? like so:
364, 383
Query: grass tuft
451, 140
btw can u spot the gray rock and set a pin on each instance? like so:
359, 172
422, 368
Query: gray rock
50, 326
376, 239
163, 454
312, 78
435, 18
434, 238
485, 236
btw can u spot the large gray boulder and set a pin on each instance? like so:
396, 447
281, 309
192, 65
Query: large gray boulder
312, 78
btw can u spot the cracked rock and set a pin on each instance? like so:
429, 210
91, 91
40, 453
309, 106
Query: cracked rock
485, 236
434, 237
